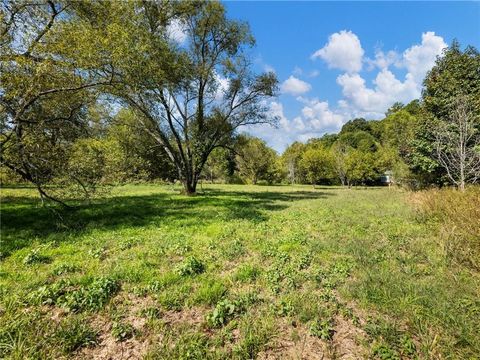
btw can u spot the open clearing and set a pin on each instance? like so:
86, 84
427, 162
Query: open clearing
269, 272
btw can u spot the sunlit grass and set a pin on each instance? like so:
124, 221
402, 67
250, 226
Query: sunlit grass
230, 273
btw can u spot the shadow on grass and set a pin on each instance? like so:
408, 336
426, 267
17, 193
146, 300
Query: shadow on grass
22, 221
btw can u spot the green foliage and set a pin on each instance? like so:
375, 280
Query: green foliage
224, 311
256, 161
63, 269
191, 266
317, 165
75, 333
247, 273
64, 293
323, 329
122, 331
35, 257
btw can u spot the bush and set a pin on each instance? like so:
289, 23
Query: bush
459, 215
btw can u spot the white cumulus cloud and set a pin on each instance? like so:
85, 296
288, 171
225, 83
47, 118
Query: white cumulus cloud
321, 117
343, 51
420, 58
294, 86
387, 88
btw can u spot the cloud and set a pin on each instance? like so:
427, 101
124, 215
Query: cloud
314, 73
269, 68
320, 117
276, 109
222, 86
176, 31
297, 71
343, 51
420, 58
294, 86
316, 119
362, 100
383, 60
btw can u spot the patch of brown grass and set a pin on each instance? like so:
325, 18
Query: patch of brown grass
459, 215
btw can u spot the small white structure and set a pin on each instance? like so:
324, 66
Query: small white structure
387, 178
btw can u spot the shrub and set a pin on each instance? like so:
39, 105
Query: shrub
459, 215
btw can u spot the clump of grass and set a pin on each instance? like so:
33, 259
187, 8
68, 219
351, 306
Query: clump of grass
322, 328
151, 312
89, 297
224, 311
459, 214
190, 345
255, 335
122, 331
75, 333
191, 266
64, 269
35, 257
98, 253
246, 273
210, 292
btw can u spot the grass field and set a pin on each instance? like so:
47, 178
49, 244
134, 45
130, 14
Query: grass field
236, 272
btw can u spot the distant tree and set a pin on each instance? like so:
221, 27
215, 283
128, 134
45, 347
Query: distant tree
360, 167
255, 160
291, 158
457, 145
340, 152
356, 125
317, 163
455, 74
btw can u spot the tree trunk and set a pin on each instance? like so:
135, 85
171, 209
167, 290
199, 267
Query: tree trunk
190, 186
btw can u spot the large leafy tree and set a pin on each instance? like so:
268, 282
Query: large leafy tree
255, 160
317, 164
191, 96
446, 142
43, 95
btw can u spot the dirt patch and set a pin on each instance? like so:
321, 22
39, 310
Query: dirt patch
295, 342
193, 317
346, 340
109, 348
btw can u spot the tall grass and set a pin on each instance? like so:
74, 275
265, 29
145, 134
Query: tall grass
459, 215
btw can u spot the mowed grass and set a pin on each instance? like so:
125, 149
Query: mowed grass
235, 272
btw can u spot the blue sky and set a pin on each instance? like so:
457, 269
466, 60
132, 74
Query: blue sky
339, 60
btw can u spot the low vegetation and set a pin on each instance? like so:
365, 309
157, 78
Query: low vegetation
241, 272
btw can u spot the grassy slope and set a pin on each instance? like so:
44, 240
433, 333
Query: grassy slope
277, 266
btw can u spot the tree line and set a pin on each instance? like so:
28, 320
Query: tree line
101, 92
